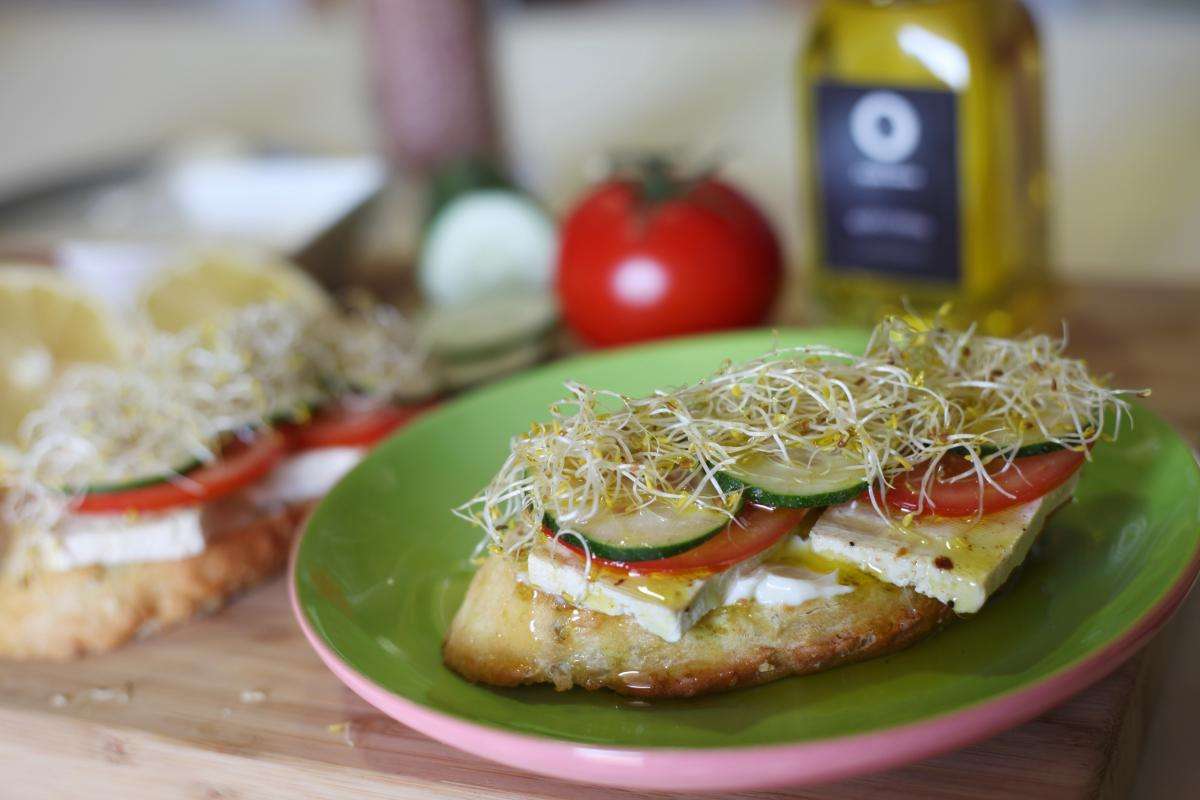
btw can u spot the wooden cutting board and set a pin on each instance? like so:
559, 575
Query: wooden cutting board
237, 707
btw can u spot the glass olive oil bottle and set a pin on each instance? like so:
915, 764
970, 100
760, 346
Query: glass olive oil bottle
926, 177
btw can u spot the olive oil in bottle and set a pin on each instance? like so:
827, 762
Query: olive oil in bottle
924, 148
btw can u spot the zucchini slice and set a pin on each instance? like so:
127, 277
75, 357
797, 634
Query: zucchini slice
484, 331
1032, 443
1030, 447
296, 414
462, 176
483, 242
483, 340
657, 531
184, 467
129, 484
822, 480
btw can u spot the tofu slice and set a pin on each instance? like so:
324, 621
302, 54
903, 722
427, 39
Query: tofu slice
668, 606
307, 476
664, 605
86, 539
959, 561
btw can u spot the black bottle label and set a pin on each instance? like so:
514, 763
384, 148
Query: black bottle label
888, 170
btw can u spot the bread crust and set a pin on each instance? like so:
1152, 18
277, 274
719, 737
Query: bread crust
506, 634
64, 615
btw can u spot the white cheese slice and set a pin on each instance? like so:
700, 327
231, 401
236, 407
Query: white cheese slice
82, 540
307, 475
959, 561
668, 606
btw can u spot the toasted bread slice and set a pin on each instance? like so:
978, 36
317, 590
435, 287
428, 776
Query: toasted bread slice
62, 615
507, 634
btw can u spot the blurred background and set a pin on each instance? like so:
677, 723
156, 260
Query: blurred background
93, 90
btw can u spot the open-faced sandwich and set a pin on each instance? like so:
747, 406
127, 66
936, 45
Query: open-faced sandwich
784, 516
159, 464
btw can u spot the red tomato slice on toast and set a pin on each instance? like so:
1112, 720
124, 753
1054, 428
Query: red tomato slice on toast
1026, 478
240, 464
343, 425
759, 528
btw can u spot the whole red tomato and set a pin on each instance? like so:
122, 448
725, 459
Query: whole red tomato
648, 255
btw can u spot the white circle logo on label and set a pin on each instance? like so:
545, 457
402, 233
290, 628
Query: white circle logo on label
885, 127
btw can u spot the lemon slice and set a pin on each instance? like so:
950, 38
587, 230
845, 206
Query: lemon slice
46, 324
210, 285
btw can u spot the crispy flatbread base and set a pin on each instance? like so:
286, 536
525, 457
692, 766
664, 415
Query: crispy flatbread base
63, 615
507, 634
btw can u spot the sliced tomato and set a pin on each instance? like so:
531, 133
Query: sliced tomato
1024, 479
759, 528
343, 425
239, 465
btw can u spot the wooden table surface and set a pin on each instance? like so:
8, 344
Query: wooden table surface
237, 706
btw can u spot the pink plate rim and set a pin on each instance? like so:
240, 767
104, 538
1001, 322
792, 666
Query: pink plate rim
754, 767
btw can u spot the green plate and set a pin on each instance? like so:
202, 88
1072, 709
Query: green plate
383, 566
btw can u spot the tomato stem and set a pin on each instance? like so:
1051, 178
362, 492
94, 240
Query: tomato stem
656, 179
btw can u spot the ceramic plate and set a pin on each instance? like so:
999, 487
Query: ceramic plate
383, 565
